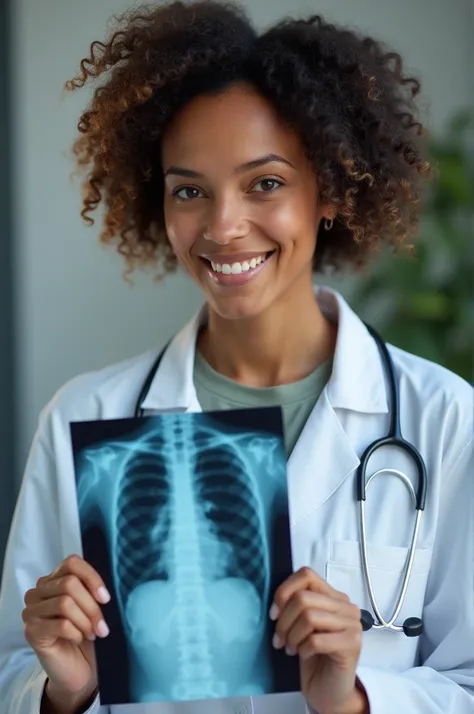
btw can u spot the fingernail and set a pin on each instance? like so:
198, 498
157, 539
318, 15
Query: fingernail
103, 595
102, 629
290, 651
276, 642
274, 612
91, 637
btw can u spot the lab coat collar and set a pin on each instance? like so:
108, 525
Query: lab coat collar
357, 381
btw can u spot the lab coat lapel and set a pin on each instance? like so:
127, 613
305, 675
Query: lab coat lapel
172, 388
316, 468
324, 455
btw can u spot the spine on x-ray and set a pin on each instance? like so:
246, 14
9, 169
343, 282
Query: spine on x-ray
195, 677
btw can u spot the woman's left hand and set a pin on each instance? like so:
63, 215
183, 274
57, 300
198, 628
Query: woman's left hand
323, 627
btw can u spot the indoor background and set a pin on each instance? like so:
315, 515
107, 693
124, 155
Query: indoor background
64, 307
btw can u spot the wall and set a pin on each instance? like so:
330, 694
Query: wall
74, 312
7, 362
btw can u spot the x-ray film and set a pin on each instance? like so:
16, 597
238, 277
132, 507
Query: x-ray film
185, 517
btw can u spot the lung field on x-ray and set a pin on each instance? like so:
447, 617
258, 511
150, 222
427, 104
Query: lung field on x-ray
188, 505
143, 520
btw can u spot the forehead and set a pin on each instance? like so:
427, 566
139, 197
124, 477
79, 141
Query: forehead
237, 125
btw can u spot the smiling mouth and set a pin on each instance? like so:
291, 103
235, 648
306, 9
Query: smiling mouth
226, 267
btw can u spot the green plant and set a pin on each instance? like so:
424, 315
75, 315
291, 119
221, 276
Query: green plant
424, 303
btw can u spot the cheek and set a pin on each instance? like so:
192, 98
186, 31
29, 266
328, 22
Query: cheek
181, 230
292, 224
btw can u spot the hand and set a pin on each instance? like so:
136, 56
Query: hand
62, 618
322, 626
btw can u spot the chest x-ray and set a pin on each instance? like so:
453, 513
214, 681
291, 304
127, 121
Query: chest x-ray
185, 516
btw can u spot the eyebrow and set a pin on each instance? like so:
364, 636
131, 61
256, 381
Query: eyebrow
243, 168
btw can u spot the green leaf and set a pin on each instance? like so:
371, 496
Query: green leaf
428, 305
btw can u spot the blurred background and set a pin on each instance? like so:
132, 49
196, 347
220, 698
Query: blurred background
64, 307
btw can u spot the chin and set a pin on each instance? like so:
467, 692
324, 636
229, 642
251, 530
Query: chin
236, 309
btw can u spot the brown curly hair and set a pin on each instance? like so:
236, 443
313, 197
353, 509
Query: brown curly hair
345, 96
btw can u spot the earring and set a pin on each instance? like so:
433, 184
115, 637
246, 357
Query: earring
328, 223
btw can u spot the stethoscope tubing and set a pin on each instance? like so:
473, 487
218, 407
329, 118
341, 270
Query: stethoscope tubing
395, 439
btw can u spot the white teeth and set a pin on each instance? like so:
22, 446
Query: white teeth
237, 268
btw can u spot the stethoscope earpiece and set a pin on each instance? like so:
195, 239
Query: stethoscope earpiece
413, 627
366, 620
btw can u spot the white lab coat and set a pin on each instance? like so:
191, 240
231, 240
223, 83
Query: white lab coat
430, 675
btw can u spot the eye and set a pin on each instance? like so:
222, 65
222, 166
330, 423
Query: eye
187, 193
267, 185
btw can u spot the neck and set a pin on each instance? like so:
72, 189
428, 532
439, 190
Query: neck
281, 346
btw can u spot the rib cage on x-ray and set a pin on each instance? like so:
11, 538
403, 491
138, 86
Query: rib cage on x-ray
186, 511
146, 513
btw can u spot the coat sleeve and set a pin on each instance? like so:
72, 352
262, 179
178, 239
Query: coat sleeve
444, 681
35, 548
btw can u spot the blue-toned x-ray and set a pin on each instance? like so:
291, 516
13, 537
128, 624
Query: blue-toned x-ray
185, 516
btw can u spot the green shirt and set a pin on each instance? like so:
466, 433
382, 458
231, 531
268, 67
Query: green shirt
216, 392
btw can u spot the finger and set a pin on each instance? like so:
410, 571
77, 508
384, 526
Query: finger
40, 633
65, 607
70, 587
300, 602
75, 565
72, 565
314, 621
34, 594
342, 646
303, 579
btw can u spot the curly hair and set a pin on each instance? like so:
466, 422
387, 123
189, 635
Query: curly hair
344, 94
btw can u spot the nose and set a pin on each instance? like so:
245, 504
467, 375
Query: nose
225, 221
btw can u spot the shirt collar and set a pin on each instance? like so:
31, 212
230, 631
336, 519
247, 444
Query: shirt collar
357, 380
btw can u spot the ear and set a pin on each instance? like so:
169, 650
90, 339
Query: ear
328, 212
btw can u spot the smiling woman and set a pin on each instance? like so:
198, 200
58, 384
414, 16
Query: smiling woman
206, 143
345, 98
255, 161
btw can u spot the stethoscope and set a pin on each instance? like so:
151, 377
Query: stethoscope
412, 626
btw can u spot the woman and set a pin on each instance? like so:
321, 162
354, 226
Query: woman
253, 161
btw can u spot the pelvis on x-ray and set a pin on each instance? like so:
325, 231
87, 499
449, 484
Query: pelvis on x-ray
187, 509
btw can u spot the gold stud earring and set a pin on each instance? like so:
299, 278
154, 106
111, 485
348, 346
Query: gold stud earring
328, 223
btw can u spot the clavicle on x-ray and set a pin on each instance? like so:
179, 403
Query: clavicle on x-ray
188, 511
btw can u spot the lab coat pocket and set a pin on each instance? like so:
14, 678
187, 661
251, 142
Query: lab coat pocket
387, 567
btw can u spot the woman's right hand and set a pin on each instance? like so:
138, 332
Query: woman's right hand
62, 618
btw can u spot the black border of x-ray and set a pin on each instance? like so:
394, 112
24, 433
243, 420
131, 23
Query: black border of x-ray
7, 336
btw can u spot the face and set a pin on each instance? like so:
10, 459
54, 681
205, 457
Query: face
241, 203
